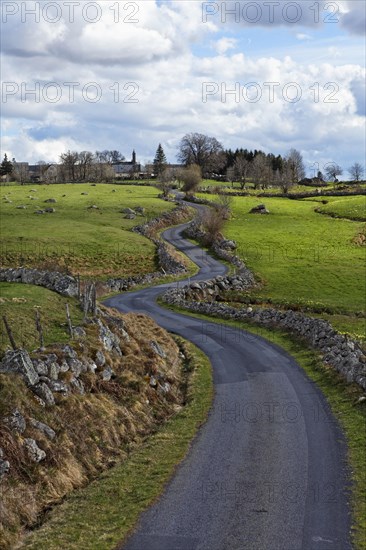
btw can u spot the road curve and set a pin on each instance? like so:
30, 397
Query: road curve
268, 470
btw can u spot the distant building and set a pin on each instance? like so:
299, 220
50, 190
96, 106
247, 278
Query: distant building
127, 169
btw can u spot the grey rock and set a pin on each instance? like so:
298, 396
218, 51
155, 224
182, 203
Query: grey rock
158, 349
46, 430
44, 392
78, 385
130, 217
107, 374
100, 358
4, 467
19, 362
40, 366
51, 201
50, 210
260, 209
109, 340
21, 207
57, 386
53, 371
69, 352
34, 452
64, 367
79, 332
16, 422
76, 366
39, 212
128, 211
92, 367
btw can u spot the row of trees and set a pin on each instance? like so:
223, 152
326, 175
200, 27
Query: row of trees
197, 150
87, 166
242, 165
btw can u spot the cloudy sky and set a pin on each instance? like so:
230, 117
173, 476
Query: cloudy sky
121, 75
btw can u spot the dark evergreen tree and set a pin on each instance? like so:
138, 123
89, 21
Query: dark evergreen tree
6, 166
160, 162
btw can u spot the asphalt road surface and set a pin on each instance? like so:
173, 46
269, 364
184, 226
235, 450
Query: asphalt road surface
268, 470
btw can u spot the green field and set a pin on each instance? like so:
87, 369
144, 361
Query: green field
352, 208
75, 238
299, 256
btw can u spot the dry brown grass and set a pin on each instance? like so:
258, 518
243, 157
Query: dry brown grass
93, 431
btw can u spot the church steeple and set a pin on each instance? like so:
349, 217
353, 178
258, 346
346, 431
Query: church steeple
134, 157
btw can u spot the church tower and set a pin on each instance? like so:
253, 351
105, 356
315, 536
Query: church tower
133, 157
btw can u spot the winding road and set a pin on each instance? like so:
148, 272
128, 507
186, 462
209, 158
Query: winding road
268, 469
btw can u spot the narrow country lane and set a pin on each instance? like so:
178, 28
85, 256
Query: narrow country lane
268, 469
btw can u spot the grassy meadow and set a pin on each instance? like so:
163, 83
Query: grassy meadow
77, 238
352, 208
303, 259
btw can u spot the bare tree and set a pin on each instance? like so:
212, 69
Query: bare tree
356, 171
295, 165
191, 178
101, 170
212, 221
42, 169
20, 172
333, 170
205, 151
85, 160
223, 204
68, 163
285, 177
166, 178
241, 170
259, 170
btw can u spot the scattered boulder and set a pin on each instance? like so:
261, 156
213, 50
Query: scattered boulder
21, 207
130, 216
50, 210
93, 207
39, 212
51, 201
34, 452
260, 209
84, 194
140, 210
128, 211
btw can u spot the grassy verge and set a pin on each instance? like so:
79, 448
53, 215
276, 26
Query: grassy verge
344, 401
101, 515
